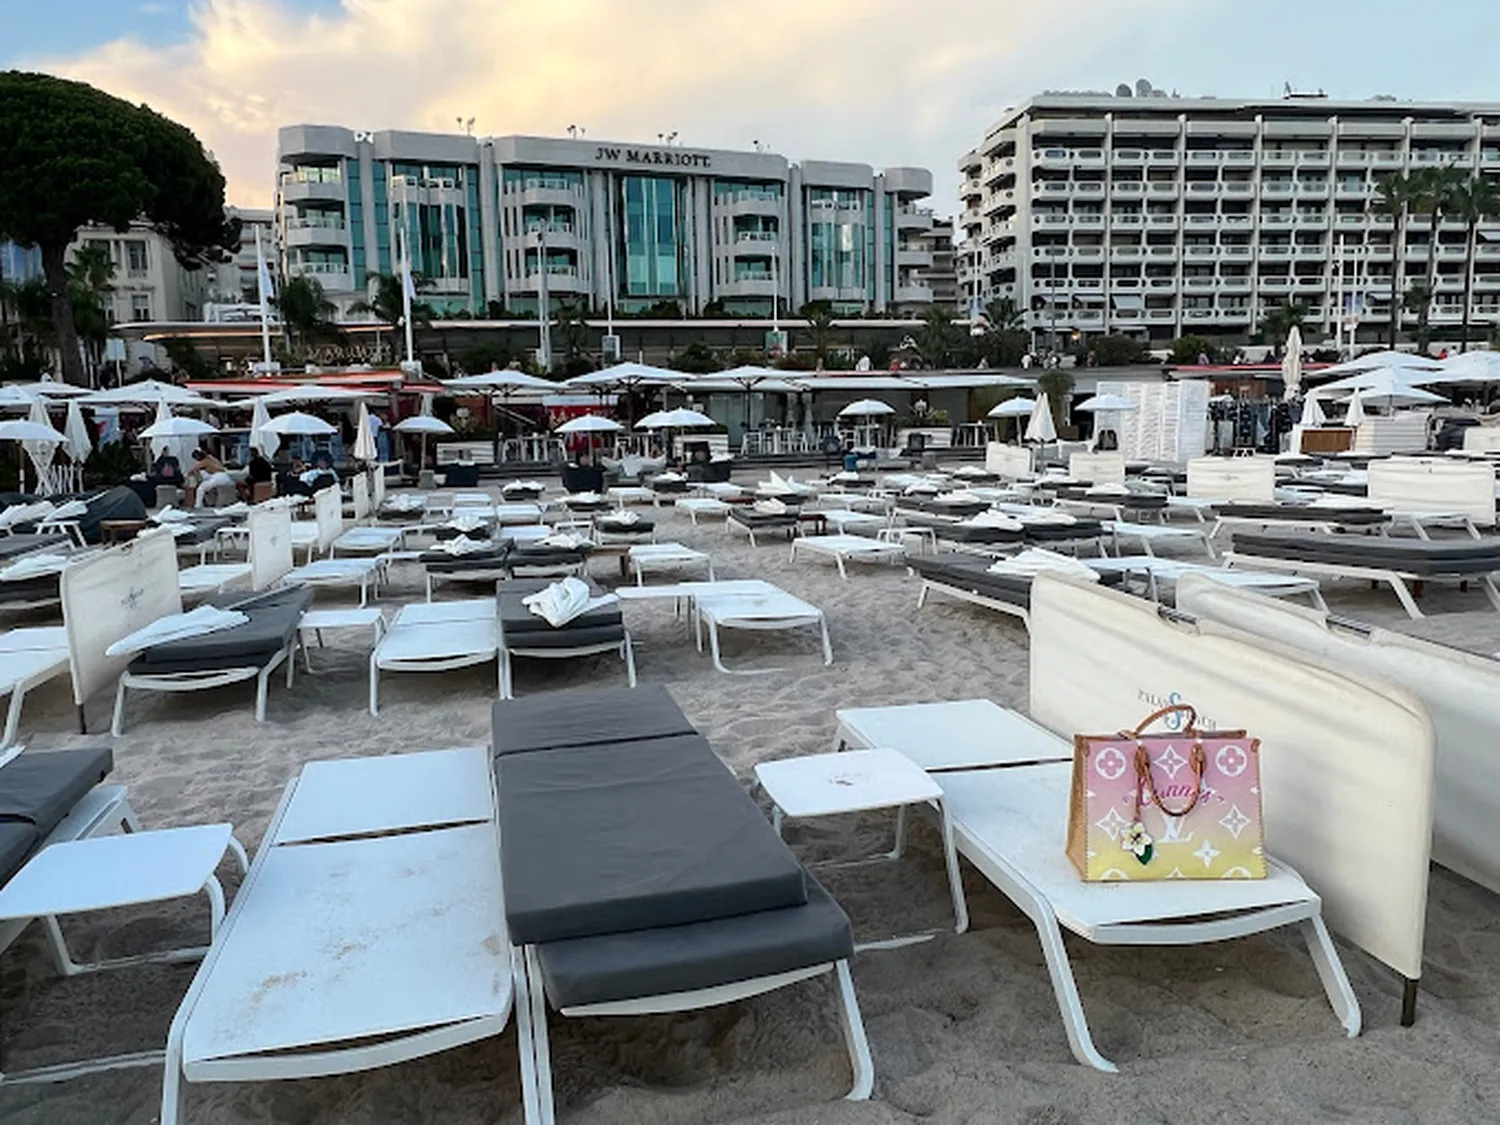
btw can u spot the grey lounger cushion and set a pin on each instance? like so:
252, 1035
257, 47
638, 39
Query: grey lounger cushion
616, 527
632, 836
1351, 517
520, 628
1411, 556
22, 543
1063, 532
595, 970
748, 517
38, 789
274, 618
586, 718
972, 575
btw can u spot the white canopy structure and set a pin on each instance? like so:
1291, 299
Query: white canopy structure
423, 424
1041, 428
1291, 363
1468, 367
79, 445
260, 437
1100, 404
1382, 359
866, 408
679, 419
1014, 408
148, 392
173, 426
304, 394
1381, 383
504, 383
298, 424
364, 437
590, 424
27, 430
628, 376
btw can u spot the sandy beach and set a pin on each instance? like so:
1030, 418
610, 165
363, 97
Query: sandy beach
964, 1029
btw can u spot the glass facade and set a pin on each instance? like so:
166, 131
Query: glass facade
654, 251
20, 263
382, 228
356, 228
840, 243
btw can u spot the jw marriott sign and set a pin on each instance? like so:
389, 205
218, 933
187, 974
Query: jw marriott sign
670, 158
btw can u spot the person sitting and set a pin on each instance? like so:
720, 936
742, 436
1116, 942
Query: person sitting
293, 482
210, 475
166, 469
258, 472
321, 475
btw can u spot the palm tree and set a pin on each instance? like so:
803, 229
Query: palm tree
936, 339
819, 317
91, 276
1435, 192
1474, 201
1278, 322
1393, 200
306, 313
571, 330
1418, 299
1002, 315
384, 300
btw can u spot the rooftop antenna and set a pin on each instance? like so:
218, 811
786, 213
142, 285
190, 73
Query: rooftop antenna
466, 124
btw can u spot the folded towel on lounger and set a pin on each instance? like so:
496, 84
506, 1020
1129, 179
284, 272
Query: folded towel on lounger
563, 541
463, 545
25, 513
170, 514
466, 522
1046, 516
178, 627
560, 602
532, 486
671, 478
34, 566
993, 519
1034, 561
770, 507
620, 519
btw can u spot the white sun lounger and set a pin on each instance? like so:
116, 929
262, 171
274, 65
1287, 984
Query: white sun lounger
436, 637
696, 506
842, 519
370, 930
1157, 571
361, 572
844, 548
1148, 534
368, 541
28, 659
269, 547
768, 610
512, 515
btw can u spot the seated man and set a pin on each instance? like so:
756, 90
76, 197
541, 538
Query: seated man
257, 473
294, 483
211, 476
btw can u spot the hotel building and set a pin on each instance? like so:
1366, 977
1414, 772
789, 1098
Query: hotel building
1160, 216
491, 221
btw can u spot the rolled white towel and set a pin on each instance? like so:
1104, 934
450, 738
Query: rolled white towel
1047, 516
671, 477
35, 566
463, 545
583, 498
561, 602
1108, 490
770, 507
563, 541
625, 518
465, 523
993, 519
959, 496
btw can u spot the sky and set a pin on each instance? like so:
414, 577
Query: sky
882, 82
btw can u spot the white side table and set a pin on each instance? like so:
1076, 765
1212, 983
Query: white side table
316, 620
862, 781
956, 734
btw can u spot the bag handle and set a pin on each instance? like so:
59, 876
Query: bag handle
1171, 709
1144, 778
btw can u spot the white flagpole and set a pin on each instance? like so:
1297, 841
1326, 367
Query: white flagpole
263, 283
406, 282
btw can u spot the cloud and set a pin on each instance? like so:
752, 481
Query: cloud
154, 8
883, 82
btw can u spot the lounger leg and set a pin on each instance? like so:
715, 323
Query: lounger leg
1331, 972
1398, 585
262, 689
1063, 985
506, 687
1318, 601
13, 717
1408, 1001
713, 646
117, 725
374, 686
854, 1036
922, 595
955, 879
1490, 591
827, 644
171, 1079
628, 651
541, 1047
844, 574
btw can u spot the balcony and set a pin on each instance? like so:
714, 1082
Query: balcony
1127, 187
1199, 314
1161, 251
1162, 156
1088, 187
1127, 219
1277, 220
557, 236
1312, 187
1200, 252
1304, 284
1276, 253
1283, 158
1234, 251
1088, 252
1207, 188
1276, 188
1088, 283
1235, 282
1209, 220
1049, 220
1236, 220
1050, 157
1353, 156
1161, 220
1386, 160
1160, 314
1159, 189
560, 279
914, 258
1202, 157
334, 276
1161, 283
1312, 218
1050, 189
1088, 219
308, 191
553, 193
913, 218
1049, 252
1126, 253
1313, 159
1198, 282
1276, 284
301, 232
1129, 156
913, 293
1124, 283
1089, 157
1239, 188
1239, 159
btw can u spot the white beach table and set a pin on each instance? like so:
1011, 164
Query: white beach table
1149, 534
842, 548
862, 781
369, 931
106, 873
951, 735
623, 494
1008, 823
1158, 570
646, 557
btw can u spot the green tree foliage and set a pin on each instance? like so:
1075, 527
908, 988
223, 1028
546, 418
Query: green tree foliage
1394, 197
1474, 201
1186, 351
819, 317
186, 358
306, 314
91, 277
1278, 322
938, 339
1057, 384
73, 155
697, 358
1114, 350
384, 301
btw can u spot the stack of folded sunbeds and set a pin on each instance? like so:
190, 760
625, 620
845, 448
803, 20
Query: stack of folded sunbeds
640, 878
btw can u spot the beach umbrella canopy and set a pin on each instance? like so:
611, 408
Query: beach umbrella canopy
1014, 408
261, 438
1469, 367
628, 376
303, 394
1390, 383
172, 426
364, 437
590, 424
500, 382
79, 445
148, 392
1356, 415
679, 419
865, 408
1041, 427
298, 423
42, 453
27, 430
1312, 413
1370, 362
1401, 396
13, 397
51, 388
1291, 363
1100, 403
423, 424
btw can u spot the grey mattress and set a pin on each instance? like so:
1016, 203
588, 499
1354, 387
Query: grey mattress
38, 789
30, 591
973, 533
441, 562
202, 529
965, 572
520, 628
746, 516
632, 836
612, 527
1348, 517
627, 966
586, 718
960, 509
1063, 532
274, 618
1412, 556
23, 543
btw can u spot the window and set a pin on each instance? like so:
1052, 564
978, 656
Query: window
140, 306
135, 257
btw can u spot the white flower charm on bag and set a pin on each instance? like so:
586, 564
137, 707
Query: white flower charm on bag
1137, 840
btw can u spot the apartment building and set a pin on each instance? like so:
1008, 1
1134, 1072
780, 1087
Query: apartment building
942, 276
495, 222
149, 283
237, 280
1160, 216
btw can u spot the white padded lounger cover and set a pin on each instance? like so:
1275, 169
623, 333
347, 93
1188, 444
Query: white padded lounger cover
1249, 480
270, 528
328, 509
1430, 484
1461, 692
359, 488
1097, 468
1347, 763
111, 595
1010, 461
